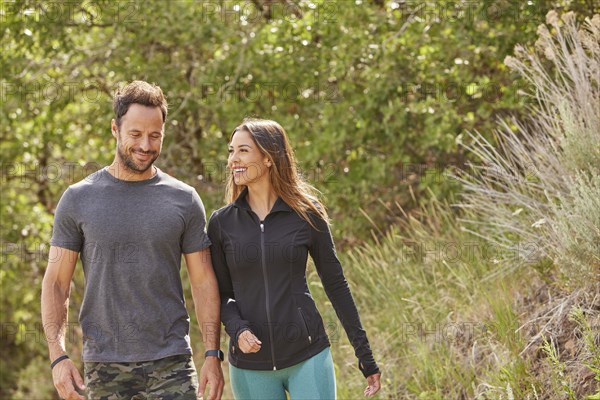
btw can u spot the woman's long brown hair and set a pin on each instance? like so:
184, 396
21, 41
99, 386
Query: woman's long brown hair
272, 140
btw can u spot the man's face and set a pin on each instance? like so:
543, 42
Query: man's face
140, 137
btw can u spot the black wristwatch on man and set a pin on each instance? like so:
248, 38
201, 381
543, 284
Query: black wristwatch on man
215, 353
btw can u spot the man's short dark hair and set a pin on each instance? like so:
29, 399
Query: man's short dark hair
139, 92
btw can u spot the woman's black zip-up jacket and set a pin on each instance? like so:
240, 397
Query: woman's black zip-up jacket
261, 270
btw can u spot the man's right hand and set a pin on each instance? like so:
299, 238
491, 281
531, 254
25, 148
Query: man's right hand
248, 343
64, 375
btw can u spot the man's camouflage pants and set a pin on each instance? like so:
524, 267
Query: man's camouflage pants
168, 378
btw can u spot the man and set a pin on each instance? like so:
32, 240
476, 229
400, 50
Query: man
130, 222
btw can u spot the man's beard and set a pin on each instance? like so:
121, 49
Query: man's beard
130, 162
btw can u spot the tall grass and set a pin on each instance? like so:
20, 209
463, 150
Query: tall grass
442, 329
537, 194
437, 327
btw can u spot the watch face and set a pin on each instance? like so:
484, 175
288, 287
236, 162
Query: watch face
214, 353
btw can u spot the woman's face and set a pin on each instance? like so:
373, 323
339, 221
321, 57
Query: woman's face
246, 162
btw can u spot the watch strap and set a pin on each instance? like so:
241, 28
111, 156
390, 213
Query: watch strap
59, 359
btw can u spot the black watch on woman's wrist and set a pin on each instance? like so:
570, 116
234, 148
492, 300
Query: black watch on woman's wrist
215, 353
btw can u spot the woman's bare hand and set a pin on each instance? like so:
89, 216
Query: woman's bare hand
248, 343
374, 385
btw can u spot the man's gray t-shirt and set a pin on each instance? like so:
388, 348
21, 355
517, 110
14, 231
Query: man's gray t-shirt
130, 236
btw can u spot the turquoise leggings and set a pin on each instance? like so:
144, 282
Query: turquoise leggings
311, 379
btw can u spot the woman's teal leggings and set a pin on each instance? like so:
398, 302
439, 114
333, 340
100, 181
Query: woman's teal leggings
311, 379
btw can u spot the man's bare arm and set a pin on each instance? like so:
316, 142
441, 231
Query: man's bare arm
56, 288
205, 293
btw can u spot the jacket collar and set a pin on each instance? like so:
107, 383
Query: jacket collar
279, 205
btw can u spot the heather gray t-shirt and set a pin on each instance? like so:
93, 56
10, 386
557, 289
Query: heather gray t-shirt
130, 236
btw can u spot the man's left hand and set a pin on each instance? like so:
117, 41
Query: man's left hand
211, 373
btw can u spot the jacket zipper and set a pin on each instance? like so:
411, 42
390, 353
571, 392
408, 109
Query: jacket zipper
264, 268
305, 324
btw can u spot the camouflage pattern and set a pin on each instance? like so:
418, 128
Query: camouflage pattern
168, 378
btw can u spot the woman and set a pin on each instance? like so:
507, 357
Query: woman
260, 246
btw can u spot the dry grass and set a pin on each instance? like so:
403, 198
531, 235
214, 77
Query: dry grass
537, 193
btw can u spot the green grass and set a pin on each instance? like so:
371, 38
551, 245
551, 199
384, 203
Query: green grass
441, 322
438, 324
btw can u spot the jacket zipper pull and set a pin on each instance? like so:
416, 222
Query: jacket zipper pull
262, 227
